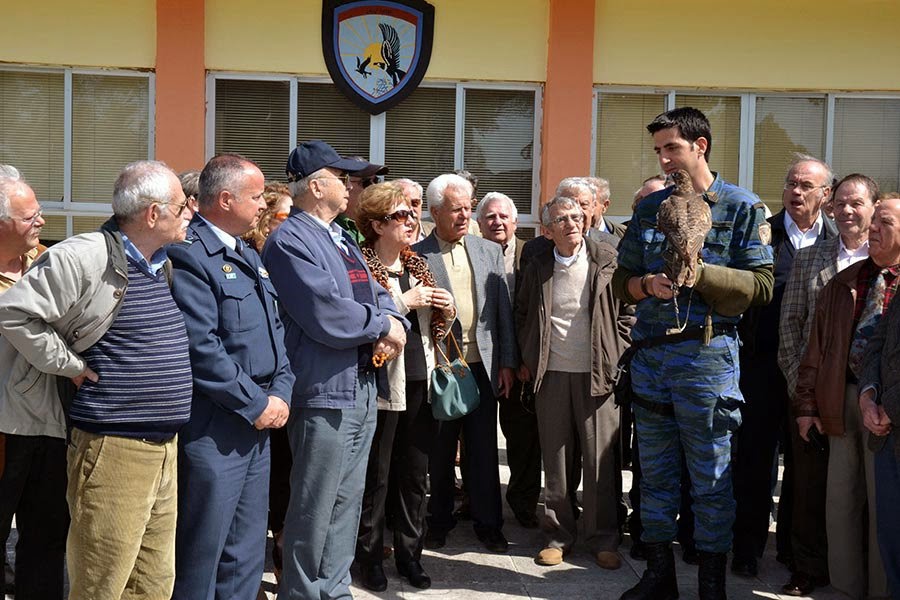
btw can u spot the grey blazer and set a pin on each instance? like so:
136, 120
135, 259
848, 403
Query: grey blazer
495, 329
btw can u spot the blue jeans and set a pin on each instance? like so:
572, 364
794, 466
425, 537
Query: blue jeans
887, 499
330, 449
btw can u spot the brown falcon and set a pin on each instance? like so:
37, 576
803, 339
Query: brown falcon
684, 217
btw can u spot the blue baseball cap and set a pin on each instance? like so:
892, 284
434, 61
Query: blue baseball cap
309, 157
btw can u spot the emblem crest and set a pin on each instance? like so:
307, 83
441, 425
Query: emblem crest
377, 51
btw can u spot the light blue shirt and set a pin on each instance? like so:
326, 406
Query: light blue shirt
150, 267
336, 233
227, 239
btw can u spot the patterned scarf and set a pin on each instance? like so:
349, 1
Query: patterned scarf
418, 268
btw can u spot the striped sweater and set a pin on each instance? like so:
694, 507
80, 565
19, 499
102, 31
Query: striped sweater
144, 387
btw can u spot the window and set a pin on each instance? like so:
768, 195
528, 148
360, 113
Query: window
755, 137
491, 130
784, 126
867, 139
624, 149
70, 132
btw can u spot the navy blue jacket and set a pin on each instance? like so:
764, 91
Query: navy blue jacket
236, 336
324, 325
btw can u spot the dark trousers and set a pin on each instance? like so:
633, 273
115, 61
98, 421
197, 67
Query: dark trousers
685, 513
481, 463
370, 540
33, 488
518, 422
808, 540
763, 427
280, 478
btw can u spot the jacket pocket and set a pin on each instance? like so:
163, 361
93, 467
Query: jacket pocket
237, 313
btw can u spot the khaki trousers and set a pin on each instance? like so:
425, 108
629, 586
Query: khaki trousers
568, 417
122, 496
854, 563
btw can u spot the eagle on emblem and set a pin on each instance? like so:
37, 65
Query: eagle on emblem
685, 219
384, 56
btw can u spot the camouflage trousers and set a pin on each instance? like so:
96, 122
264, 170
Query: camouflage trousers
697, 386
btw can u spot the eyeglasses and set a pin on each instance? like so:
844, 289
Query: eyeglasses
577, 219
32, 220
400, 216
180, 207
804, 186
345, 179
363, 183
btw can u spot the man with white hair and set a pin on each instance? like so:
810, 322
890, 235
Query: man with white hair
33, 465
80, 314
498, 220
472, 269
601, 205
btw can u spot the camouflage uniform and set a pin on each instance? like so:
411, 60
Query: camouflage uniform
699, 382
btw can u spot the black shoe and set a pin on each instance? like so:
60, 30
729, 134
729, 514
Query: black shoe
372, 577
658, 581
711, 575
744, 566
435, 538
416, 575
526, 519
690, 555
802, 584
494, 541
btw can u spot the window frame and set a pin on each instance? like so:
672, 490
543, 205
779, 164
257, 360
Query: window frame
66, 207
748, 116
378, 123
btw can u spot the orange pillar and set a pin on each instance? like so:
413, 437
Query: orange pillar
180, 83
566, 132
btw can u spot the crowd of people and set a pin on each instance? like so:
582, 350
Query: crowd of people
228, 356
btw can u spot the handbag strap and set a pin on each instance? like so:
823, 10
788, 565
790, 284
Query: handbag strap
455, 345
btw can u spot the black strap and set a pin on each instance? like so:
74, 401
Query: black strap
660, 408
694, 333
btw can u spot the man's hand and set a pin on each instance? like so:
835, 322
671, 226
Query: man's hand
396, 335
874, 417
86, 374
274, 416
506, 381
660, 286
524, 373
805, 423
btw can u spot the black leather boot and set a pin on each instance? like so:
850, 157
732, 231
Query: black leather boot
711, 575
658, 581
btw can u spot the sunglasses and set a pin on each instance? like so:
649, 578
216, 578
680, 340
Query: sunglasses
400, 216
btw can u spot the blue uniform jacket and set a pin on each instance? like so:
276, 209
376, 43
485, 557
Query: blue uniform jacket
738, 222
324, 325
236, 336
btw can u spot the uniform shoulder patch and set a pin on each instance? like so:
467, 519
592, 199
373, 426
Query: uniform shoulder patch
765, 233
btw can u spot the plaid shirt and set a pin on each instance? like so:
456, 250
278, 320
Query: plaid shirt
864, 281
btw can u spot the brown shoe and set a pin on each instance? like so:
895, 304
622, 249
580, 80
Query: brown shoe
608, 560
549, 557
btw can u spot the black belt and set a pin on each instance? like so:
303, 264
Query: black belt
694, 333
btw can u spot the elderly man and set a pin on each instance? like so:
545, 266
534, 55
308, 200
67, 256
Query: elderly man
601, 205
472, 269
764, 418
81, 313
571, 333
879, 406
241, 380
414, 194
854, 201
336, 317
498, 219
33, 470
684, 373
849, 308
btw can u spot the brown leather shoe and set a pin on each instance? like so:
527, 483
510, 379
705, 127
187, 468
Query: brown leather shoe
608, 560
549, 557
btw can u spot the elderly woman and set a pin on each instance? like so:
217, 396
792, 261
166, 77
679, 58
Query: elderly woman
405, 427
278, 207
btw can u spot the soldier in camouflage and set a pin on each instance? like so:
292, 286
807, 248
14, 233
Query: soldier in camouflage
685, 371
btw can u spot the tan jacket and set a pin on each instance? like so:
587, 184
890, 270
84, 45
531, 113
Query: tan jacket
611, 320
821, 377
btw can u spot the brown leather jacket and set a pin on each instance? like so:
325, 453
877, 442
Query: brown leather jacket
611, 320
822, 375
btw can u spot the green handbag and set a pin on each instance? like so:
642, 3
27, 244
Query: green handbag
454, 391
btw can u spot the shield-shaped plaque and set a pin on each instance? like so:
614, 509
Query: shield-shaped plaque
377, 51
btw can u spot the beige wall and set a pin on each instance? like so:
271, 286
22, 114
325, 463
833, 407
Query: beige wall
473, 39
764, 44
107, 33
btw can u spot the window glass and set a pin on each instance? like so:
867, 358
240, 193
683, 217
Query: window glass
867, 139
324, 113
724, 114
